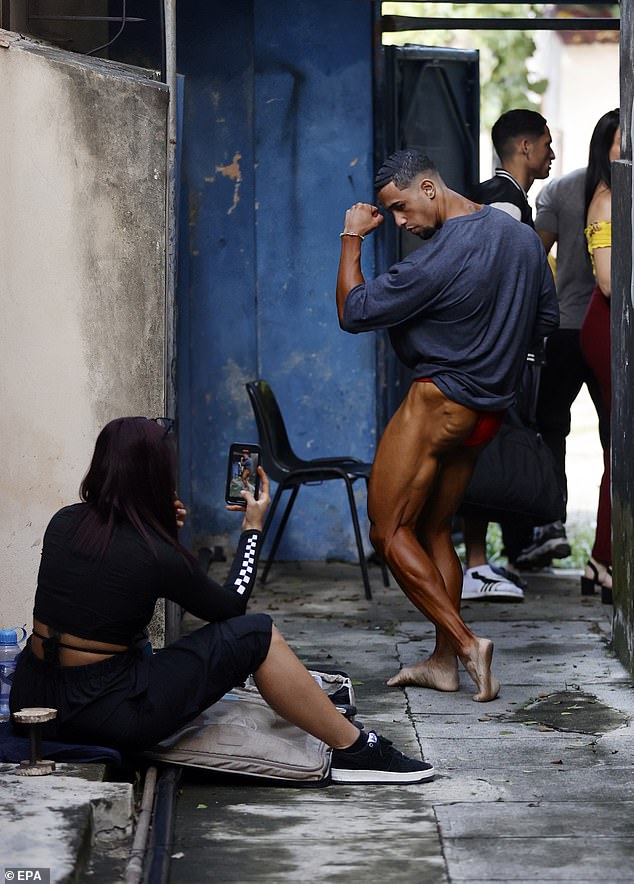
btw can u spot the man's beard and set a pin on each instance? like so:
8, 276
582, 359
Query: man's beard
428, 232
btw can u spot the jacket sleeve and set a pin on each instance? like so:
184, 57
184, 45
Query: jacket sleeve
204, 597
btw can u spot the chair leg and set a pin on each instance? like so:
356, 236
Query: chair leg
282, 526
357, 536
265, 529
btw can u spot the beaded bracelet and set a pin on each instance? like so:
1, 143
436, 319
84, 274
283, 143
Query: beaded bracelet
360, 235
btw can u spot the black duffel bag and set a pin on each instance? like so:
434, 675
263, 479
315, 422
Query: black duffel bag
516, 475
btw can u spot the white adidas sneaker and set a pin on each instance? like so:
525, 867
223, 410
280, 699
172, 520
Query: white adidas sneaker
481, 582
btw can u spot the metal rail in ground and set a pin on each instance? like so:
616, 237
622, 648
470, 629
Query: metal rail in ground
150, 856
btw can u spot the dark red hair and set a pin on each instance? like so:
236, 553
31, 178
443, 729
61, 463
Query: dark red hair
132, 477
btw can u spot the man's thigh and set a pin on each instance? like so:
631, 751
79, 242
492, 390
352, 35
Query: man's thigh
454, 475
426, 427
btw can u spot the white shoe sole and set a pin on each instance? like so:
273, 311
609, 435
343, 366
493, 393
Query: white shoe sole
342, 775
494, 596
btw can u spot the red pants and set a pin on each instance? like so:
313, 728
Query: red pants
595, 346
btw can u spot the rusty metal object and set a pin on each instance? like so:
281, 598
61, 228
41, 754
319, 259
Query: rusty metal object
33, 718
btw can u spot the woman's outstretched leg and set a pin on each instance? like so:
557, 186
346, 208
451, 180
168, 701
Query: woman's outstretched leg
358, 757
293, 693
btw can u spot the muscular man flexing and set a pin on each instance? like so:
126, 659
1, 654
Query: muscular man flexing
461, 313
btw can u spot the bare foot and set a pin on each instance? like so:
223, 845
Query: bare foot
442, 676
478, 665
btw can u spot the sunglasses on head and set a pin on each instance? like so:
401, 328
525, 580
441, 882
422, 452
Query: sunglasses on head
167, 423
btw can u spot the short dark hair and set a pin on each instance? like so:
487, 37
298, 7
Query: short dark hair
513, 124
401, 167
599, 169
131, 478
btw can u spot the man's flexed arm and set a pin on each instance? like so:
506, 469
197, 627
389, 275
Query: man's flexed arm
361, 219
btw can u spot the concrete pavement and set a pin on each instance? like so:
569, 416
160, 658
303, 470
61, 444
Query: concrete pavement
534, 786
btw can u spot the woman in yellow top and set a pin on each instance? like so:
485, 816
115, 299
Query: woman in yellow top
595, 332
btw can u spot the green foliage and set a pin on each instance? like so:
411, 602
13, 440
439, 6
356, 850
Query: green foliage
505, 79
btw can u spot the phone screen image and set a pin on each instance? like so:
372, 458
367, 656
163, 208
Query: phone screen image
243, 472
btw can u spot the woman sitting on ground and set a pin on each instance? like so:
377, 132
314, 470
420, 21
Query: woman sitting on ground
105, 562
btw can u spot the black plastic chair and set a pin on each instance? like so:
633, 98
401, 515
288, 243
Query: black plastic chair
291, 472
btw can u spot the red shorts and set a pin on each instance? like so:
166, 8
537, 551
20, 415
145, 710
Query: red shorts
486, 426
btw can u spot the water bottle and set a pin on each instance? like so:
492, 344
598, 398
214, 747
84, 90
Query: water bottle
9, 650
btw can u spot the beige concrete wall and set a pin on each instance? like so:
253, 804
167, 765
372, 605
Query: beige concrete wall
82, 196
583, 84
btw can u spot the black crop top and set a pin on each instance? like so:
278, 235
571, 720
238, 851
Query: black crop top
112, 598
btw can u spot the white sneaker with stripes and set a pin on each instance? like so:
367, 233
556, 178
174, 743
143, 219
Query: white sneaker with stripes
481, 582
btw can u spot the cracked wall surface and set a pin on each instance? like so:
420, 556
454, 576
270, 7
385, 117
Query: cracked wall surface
81, 280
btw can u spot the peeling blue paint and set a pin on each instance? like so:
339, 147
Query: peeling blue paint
278, 143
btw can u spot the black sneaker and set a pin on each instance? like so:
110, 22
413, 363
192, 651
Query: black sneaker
550, 543
377, 762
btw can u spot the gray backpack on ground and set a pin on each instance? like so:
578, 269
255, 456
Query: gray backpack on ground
241, 734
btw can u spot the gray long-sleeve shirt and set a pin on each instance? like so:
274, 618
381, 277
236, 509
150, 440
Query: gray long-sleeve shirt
463, 309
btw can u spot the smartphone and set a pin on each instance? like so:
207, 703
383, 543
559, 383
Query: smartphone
242, 472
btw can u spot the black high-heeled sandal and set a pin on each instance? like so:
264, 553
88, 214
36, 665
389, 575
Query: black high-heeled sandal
590, 584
